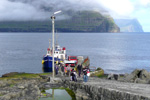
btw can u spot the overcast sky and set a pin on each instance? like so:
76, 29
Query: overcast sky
42, 9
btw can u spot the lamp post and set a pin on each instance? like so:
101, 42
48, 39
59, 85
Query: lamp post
53, 30
53, 48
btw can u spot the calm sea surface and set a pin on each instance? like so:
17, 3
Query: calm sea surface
114, 52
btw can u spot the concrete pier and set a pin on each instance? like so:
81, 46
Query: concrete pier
101, 89
29, 88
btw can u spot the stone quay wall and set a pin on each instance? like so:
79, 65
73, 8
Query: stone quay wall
100, 89
94, 89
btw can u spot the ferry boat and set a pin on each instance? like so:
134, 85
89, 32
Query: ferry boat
59, 56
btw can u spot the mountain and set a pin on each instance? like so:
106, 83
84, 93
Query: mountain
88, 21
129, 25
81, 21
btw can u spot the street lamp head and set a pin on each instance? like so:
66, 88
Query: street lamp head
57, 12
52, 17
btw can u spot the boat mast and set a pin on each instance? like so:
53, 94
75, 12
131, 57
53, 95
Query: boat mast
49, 43
56, 38
50, 47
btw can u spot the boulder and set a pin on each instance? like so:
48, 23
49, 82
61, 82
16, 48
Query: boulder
144, 74
116, 76
138, 76
113, 76
135, 72
110, 76
138, 80
130, 77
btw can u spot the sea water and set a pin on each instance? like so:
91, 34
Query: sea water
114, 52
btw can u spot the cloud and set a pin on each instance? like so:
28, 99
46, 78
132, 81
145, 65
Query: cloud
117, 8
43, 9
144, 2
19, 11
40, 9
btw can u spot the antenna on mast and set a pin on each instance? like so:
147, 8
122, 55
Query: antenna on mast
56, 38
49, 43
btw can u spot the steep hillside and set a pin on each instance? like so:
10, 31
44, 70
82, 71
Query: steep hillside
129, 25
85, 21
88, 21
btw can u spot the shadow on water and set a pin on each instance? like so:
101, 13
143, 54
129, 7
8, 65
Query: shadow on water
59, 94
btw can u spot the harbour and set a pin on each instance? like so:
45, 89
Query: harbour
25, 50
74, 50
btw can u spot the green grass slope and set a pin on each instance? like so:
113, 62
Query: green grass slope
83, 21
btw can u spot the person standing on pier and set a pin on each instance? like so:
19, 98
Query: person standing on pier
63, 69
68, 70
73, 75
85, 77
79, 68
56, 69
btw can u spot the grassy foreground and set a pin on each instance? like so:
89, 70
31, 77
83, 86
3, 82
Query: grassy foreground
16, 75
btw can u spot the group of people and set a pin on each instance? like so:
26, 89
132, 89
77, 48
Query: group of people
71, 72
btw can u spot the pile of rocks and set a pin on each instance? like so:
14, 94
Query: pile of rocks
21, 88
24, 90
138, 76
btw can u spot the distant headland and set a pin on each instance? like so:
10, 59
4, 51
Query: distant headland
82, 21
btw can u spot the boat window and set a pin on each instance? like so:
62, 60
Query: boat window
73, 58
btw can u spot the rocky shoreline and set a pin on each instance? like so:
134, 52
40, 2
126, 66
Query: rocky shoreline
24, 86
137, 76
